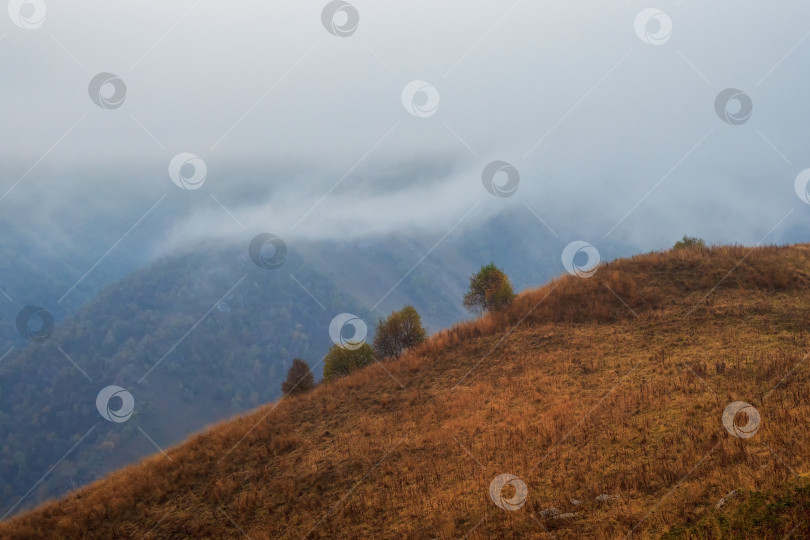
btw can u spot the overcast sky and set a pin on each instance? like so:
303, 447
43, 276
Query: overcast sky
611, 123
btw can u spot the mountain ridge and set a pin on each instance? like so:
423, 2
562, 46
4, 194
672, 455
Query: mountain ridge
607, 391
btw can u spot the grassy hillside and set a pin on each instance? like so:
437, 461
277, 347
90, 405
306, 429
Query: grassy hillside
231, 362
604, 395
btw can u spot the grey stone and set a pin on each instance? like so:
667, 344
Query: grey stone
567, 515
549, 513
605, 498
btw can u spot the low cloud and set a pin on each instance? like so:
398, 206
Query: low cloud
615, 135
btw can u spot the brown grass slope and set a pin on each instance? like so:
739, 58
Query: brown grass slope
609, 385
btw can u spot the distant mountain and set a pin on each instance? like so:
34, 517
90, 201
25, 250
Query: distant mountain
193, 338
59, 257
662, 397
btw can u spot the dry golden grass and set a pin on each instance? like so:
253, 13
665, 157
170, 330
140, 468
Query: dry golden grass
610, 385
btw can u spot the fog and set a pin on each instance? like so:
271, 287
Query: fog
614, 131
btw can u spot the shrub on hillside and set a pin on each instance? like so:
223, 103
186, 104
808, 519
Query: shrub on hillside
490, 290
299, 378
401, 330
340, 361
689, 242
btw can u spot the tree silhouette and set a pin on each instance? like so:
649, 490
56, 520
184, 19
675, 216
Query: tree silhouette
299, 378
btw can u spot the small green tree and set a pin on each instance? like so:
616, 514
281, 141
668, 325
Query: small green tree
689, 242
401, 330
299, 378
490, 290
340, 361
